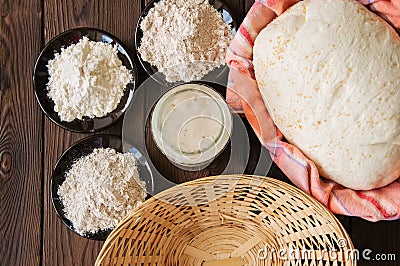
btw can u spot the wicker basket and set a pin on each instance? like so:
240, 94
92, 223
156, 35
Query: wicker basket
229, 220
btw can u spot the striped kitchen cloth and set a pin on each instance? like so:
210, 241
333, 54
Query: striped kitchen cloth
373, 205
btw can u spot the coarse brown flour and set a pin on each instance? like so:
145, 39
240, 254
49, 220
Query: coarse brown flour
100, 189
185, 40
87, 79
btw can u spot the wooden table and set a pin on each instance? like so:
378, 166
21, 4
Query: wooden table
30, 231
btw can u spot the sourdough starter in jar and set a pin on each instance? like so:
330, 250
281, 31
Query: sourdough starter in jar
191, 124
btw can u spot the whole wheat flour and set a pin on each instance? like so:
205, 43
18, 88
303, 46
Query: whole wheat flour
186, 45
100, 189
87, 79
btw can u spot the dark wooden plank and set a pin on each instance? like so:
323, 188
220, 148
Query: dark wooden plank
382, 238
20, 134
346, 222
164, 167
60, 246
237, 7
248, 4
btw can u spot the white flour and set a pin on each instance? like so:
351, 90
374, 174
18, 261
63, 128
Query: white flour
185, 40
87, 79
100, 189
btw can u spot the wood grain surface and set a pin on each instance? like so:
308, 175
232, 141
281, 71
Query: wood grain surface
20, 135
30, 144
61, 246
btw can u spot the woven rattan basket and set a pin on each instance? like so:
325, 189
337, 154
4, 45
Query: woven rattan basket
229, 220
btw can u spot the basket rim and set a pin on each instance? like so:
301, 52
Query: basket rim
263, 180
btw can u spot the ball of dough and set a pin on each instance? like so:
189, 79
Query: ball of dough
329, 73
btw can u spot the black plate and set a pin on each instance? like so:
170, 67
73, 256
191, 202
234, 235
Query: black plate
41, 78
82, 148
219, 5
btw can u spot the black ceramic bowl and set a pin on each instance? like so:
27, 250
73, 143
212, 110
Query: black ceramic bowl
41, 78
219, 5
82, 148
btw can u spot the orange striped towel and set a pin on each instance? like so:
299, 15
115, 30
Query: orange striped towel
373, 205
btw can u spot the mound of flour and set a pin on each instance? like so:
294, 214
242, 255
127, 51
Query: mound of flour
185, 40
100, 189
87, 79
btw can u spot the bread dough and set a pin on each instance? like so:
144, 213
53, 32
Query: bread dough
329, 73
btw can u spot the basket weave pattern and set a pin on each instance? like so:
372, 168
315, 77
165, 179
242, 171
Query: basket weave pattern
257, 220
